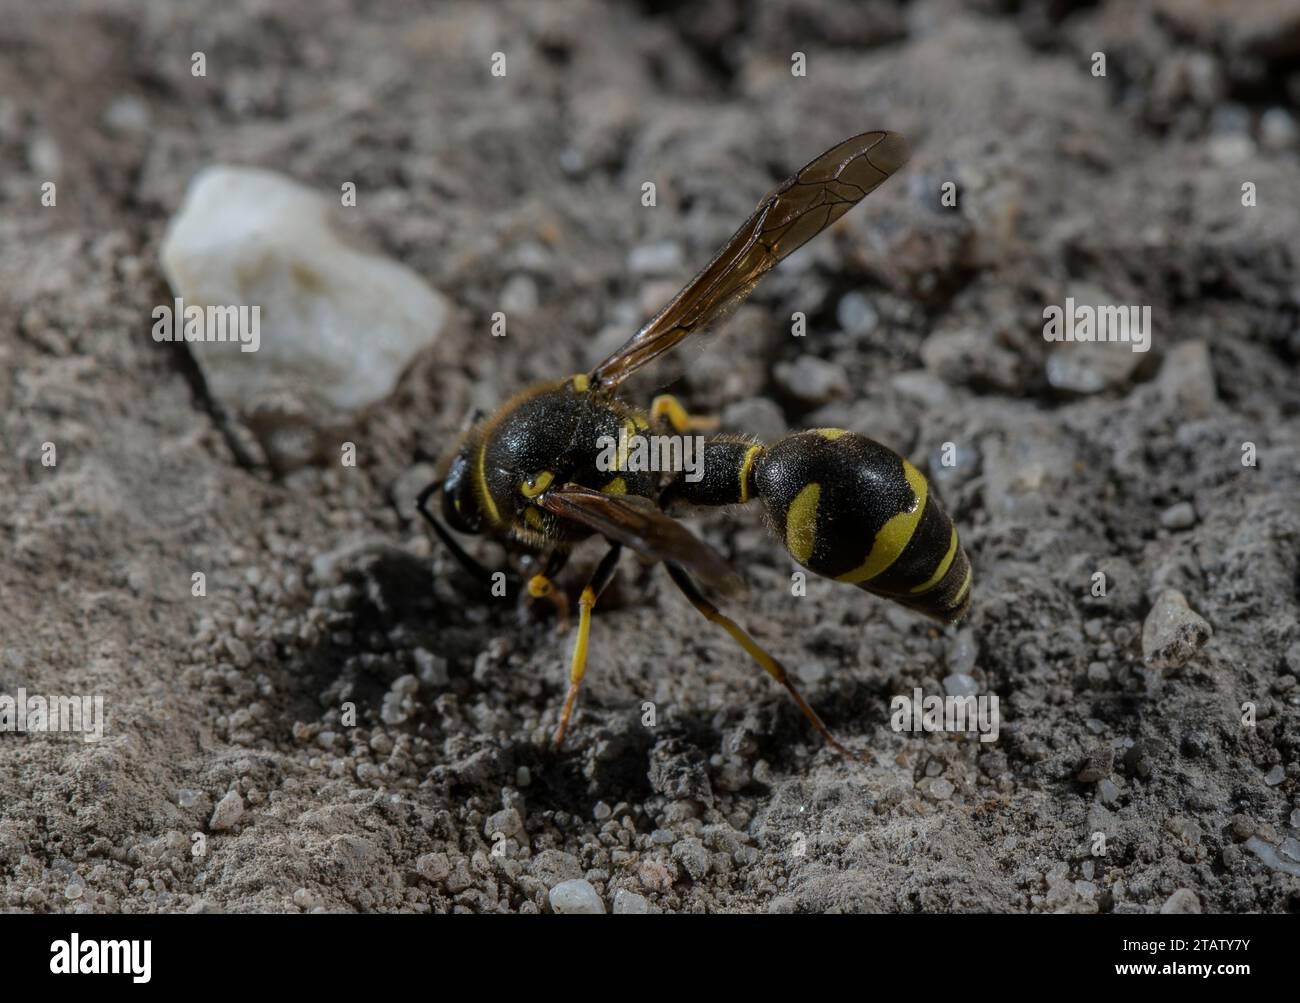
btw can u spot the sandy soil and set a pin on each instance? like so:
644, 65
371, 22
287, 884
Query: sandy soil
323, 588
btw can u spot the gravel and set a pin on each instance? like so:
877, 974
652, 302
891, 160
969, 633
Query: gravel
360, 731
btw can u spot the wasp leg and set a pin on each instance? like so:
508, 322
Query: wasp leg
668, 406
769, 664
542, 586
466, 560
600, 578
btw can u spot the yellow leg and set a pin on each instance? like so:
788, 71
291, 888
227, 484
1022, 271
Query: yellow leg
769, 664
541, 587
602, 576
668, 406
578, 663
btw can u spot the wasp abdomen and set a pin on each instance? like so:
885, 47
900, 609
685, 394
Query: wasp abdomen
726, 474
850, 509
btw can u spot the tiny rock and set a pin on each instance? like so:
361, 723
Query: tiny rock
628, 903
229, 810
1182, 901
1172, 633
812, 380
576, 897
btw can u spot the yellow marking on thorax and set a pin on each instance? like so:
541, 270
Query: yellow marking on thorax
801, 523
830, 433
581, 383
617, 486
894, 535
485, 495
942, 569
746, 465
533, 517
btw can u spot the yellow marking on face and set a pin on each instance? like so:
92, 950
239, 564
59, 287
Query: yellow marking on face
539, 586
617, 486
893, 535
581, 383
536, 484
961, 592
485, 495
533, 517
801, 523
831, 433
942, 569
746, 465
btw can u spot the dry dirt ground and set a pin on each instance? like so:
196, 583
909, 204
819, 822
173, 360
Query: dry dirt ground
1113, 785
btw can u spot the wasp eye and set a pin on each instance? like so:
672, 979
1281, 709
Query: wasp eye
536, 484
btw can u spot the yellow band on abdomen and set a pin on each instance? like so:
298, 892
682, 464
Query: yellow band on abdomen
894, 535
801, 523
942, 570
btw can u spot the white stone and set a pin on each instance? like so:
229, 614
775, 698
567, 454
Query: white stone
338, 325
576, 897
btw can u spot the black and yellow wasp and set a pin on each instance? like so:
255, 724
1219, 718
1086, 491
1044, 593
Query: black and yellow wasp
845, 506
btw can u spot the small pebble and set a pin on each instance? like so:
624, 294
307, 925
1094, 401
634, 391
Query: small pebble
1098, 765
229, 810
855, 313
628, 903
1098, 674
1172, 632
1182, 901
1278, 129
963, 652
76, 887
1271, 858
577, 897
433, 866
519, 296
1180, 516
507, 822
812, 380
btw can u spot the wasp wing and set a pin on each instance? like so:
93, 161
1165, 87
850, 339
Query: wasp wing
791, 215
637, 523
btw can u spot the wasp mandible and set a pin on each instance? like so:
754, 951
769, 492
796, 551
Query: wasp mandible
846, 507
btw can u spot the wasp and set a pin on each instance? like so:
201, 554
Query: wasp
845, 507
